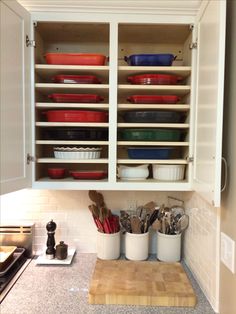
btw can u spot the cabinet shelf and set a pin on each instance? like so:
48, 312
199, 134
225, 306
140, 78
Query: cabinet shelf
72, 161
71, 105
153, 161
149, 180
179, 90
78, 124
139, 143
52, 142
46, 71
70, 179
153, 125
46, 88
177, 107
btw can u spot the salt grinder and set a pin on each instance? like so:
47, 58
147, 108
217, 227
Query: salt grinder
50, 252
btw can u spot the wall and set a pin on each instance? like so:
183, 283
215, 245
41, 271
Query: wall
69, 209
201, 245
228, 217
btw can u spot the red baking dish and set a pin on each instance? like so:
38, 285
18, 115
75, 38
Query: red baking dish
75, 58
155, 79
76, 98
56, 173
153, 99
76, 116
89, 174
76, 79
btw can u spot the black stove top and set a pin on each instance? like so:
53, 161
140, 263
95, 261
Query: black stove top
7, 274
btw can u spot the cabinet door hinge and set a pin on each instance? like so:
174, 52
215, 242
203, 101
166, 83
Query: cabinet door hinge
190, 159
193, 45
30, 159
30, 43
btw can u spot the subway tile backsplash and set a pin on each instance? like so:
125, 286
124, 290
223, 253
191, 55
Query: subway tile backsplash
69, 209
201, 245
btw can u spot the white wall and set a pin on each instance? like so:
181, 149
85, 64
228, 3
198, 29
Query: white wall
201, 245
69, 209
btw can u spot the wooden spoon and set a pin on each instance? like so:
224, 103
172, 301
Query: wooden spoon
93, 196
100, 200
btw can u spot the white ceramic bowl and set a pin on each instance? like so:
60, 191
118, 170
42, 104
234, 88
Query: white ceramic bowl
168, 172
140, 172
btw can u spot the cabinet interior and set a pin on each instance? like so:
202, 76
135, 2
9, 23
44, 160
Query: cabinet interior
155, 38
94, 38
71, 38
140, 38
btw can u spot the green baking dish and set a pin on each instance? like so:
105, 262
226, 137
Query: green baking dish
150, 135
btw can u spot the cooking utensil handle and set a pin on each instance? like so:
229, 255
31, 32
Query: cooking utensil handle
106, 226
225, 173
100, 226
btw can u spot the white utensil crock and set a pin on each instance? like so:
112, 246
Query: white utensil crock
108, 245
136, 246
168, 247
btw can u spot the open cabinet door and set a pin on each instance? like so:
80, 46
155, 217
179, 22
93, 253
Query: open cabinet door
209, 100
15, 97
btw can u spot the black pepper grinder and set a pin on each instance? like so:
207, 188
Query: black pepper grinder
51, 227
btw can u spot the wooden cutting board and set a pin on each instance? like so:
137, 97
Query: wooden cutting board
140, 283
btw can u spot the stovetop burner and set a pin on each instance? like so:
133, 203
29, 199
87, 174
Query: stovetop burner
9, 272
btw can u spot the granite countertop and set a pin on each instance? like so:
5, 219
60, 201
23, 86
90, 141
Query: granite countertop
64, 289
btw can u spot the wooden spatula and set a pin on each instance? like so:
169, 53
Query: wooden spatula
135, 224
150, 207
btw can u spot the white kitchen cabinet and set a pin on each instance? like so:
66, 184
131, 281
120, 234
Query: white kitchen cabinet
198, 43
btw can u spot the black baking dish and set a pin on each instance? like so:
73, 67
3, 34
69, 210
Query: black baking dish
153, 116
87, 134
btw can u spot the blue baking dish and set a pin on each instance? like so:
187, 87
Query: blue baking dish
163, 59
152, 152
152, 116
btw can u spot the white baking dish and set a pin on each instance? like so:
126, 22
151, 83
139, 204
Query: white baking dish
77, 152
140, 172
168, 172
